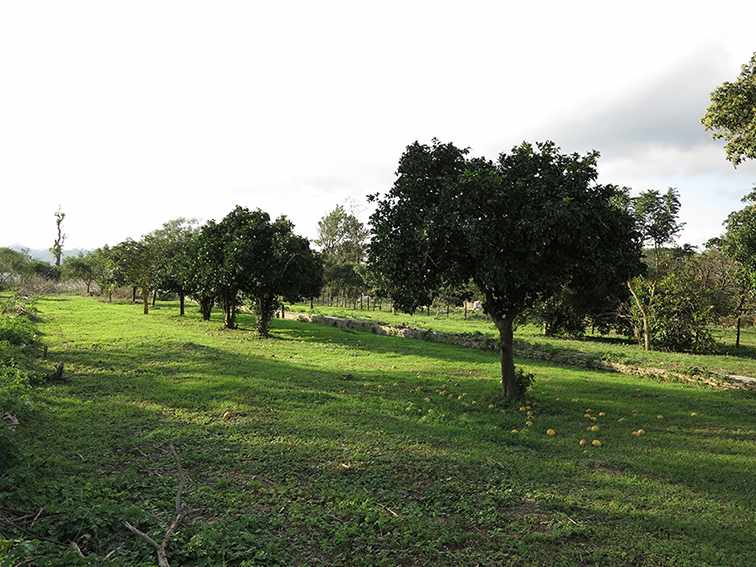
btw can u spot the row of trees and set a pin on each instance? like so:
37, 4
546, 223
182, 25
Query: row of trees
243, 257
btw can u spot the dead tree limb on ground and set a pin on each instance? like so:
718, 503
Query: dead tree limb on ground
161, 548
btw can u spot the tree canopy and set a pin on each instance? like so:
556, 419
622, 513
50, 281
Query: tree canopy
731, 115
520, 228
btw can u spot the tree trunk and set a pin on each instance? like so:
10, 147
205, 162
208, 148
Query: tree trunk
89, 285
312, 306
181, 303
229, 311
146, 300
465, 310
110, 295
154, 298
206, 307
506, 335
644, 317
133, 293
737, 334
265, 310
283, 311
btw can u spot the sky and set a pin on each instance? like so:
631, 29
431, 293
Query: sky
128, 114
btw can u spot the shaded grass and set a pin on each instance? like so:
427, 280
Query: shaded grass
529, 338
345, 448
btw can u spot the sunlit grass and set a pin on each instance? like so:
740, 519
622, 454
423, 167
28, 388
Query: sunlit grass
616, 349
322, 446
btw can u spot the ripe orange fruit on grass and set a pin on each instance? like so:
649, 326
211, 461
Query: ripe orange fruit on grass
551, 432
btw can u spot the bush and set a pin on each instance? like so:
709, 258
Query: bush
682, 316
17, 331
523, 380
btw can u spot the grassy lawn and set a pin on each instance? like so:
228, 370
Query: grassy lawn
616, 349
346, 448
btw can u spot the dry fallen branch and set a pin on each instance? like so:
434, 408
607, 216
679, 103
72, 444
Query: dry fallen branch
161, 548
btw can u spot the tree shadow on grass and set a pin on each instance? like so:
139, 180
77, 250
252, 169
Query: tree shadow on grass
308, 450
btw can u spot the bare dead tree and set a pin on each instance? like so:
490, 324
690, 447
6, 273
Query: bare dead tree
57, 247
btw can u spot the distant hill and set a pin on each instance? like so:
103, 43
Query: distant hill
45, 255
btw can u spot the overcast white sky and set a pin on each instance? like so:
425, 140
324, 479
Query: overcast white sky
131, 113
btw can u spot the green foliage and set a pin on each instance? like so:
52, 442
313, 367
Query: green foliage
520, 229
656, 216
17, 331
682, 315
246, 253
19, 340
14, 267
82, 267
740, 237
313, 469
731, 115
342, 238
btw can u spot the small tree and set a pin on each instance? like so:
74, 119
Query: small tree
290, 270
104, 267
656, 216
15, 266
171, 246
81, 267
520, 228
136, 265
731, 115
739, 243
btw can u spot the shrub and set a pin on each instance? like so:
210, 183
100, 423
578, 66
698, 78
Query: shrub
682, 316
17, 331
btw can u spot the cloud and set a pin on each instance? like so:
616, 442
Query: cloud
663, 112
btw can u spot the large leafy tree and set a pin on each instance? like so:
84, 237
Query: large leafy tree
520, 228
246, 254
731, 115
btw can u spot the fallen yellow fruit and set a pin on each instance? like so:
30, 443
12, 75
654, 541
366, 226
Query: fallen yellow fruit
522, 408
641, 432
490, 406
583, 442
228, 415
596, 443
594, 428
515, 431
551, 432
528, 423
601, 414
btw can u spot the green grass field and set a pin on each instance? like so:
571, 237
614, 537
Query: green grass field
615, 349
346, 448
